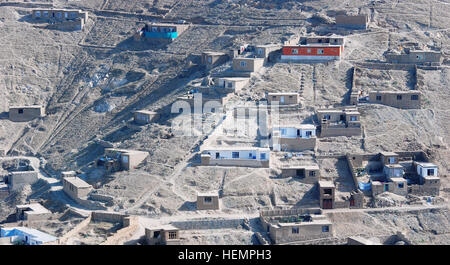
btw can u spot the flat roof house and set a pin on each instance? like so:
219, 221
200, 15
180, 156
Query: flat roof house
247, 64
283, 98
314, 49
408, 56
160, 32
145, 116
121, 159
266, 51
296, 225
32, 212
26, 113
401, 173
76, 187
211, 59
28, 236
293, 137
232, 84
163, 235
208, 200
307, 173
236, 156
339, 122
327, 194
62, 18
21, 176
398, 99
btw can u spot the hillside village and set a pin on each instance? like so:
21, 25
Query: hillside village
238, 122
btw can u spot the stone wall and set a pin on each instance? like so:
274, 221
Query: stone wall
208, 224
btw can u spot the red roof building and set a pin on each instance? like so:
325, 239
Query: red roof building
312, 52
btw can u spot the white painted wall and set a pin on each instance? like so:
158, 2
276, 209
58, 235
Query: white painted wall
289, 132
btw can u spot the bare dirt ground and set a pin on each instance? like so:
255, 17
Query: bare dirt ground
90, 82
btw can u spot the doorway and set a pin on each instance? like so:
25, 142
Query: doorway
327, 204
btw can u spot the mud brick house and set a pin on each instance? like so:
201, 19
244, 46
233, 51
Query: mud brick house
398, 99
352, 21
247, 63
236, 156
232, 84
208, 200
21, 176
401, 173
339, 122
164, 235
145, 116
62, 18
314, 49
267, 51
295, 225
163, 33
121, 159
76, 188
283, 98
327, 194
211, 59
26, 113
307, 173
32, 212
409, 56
294, 137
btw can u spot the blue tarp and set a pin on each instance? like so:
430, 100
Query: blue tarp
161, 35
364, 186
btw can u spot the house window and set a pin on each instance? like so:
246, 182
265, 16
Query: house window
59, 15
386, 187
294, 51
172, 235
308, 134
209, 59
156, 234
20, 111
243, 64
414, 97
283, 132
327, 191
378, 98
230, 85
38, 13
66, 15
45, 13
291, 96
274, 97
259, 51
327, 117
207, 199
263, 156
250, 155
399, 97
154, 29
217, 155
319, 51
308, 50
353, 118
401, 185
391, 160
430, 172
295, 230
325, 229
312, 173
235, 154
